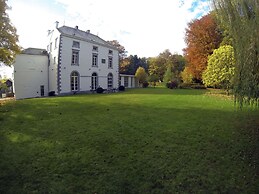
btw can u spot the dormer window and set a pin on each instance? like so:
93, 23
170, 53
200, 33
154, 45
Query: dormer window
110, 52
76, 44
95, 48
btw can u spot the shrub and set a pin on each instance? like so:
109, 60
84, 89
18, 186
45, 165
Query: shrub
121, 88
145, 85
99, 90
172, 85
52, 93
198, 86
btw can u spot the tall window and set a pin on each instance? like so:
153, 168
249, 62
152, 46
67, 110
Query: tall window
95, 60
110, 62
126, 81
56, 43
50, 47
94, 81
110, 81
74, 81
75, 57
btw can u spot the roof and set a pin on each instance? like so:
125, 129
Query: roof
34, 51
84, 35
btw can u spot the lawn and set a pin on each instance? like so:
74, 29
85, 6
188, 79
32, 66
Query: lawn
139, 141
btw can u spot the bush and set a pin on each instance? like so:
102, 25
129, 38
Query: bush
172, 85
121, 88
52, 93
145, 85
198, 86
192, 86
99, 90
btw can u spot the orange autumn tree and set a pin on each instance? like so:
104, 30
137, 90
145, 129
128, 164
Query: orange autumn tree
202, 37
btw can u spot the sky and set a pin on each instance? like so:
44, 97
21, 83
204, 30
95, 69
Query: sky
144, 27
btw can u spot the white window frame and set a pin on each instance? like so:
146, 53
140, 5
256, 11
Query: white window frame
94, 60
94, 81
95, 48
110, 81
110, 60
76, 44
75, 57
74, 81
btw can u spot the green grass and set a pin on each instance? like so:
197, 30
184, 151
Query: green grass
140, 141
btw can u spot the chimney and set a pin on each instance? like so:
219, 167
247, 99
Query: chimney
88, 31
76, 27
57, 24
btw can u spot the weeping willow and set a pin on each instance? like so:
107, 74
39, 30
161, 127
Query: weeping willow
241, 17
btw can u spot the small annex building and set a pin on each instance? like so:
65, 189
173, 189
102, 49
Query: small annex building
75, 61
31, 74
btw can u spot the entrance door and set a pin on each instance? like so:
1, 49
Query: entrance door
42, 90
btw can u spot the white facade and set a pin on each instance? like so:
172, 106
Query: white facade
81, 61
75, 62
31, 74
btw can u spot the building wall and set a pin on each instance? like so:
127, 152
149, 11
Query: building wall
85, 68
54, 41
30, 73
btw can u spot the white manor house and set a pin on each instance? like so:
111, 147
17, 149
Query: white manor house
75, 61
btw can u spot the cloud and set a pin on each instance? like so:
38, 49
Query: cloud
145, 28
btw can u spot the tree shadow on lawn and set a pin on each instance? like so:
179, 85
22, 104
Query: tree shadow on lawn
125, 149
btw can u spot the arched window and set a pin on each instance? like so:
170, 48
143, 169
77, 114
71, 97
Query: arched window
94, 81
110, 81
74, 81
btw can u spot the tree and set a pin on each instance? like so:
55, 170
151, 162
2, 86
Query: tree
121, 49
153, 79
220, 70
186, 76
141, 75
242, 19
202, 37
130, 64
168, 76
8, 37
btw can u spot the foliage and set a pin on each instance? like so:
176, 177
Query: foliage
130, 64
186, 76
220, 69
121, 49
99, 90
242, 19
121, 88
198, 86
202, 37
191, 86
168, 76
158, 65
145, 84
8, 37
172, 84
151, 140
153, 79
3, 86
141, 75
